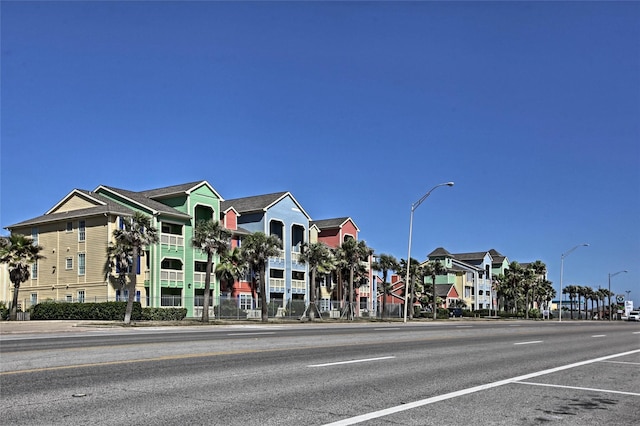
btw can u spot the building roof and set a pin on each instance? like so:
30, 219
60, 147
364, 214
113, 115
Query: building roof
497, 256
440, 251
109, 208
184, 188
144, 201
470, 257
337, 222
258, 203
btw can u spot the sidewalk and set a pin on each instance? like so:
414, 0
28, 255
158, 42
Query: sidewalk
51, 326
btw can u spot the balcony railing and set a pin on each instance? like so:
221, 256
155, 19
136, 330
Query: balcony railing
199, 277
172, 240
276, 285
298, 286
172, 276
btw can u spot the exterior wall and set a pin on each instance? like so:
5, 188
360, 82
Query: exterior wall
54, 281
74, 203
287, 212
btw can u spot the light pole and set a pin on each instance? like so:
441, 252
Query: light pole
414, 206
561, 273
609, 294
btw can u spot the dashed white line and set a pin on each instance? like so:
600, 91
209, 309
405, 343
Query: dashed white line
351, 361
251, 333
599, 335
385, 329
528, 343
578, 388
423, 402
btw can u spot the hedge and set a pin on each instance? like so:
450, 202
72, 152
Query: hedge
105, 311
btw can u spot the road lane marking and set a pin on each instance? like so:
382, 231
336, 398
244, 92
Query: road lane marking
423, 402
623, 362
351, 361
599, 335
528, 343
464, 326
578, 388
385, 329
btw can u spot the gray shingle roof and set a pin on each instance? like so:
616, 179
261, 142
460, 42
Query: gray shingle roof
110, 207
254, 203
466, 257
183, 188
439, 252
143, 200
330, 223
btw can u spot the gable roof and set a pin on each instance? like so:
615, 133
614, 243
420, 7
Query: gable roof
466, 257
103, 205
337, 222
259, 203
142, 200
184, 188
497, 256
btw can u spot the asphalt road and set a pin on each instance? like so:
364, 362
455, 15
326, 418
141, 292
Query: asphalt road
443, 373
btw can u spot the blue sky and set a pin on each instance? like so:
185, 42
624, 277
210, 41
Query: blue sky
357, 108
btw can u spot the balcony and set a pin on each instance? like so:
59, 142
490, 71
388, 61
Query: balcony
298, 286
276, 285
171, 277
172, 240
199, 277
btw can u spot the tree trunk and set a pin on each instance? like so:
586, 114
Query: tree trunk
263, 295
132, 285
207, 288
13, 314
435, 302
351, 307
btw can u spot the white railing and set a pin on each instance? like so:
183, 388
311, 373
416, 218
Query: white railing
276, 285
199, 277
171, 275
172, 239
298, 285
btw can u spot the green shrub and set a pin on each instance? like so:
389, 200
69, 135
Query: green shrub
4, 311
105, 311
163, 314
442, 313
535, 313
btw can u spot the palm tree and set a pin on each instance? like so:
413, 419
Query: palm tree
414, 273
433, 268
320, 260
385, 263
514, 276
257, 248
213, 239
230, 268
136, 233
19, 253
351, 255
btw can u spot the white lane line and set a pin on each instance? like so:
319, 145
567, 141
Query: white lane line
351, 362
515, 325
578, 388
464, 326
599, 335
251, 333
415, 404
385, 329
623, 362
528, 343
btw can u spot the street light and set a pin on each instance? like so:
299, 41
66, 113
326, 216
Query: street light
561, 272
609, 295
414, 206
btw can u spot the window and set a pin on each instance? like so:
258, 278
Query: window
69, 298
245, 301
81, 230
81, 263
81, 296
68, 263
69, 226
34, 235
34, 270
34, 299
325, 305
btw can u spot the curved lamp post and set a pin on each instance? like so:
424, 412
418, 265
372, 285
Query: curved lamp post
609, 295
561, 272
414, 206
